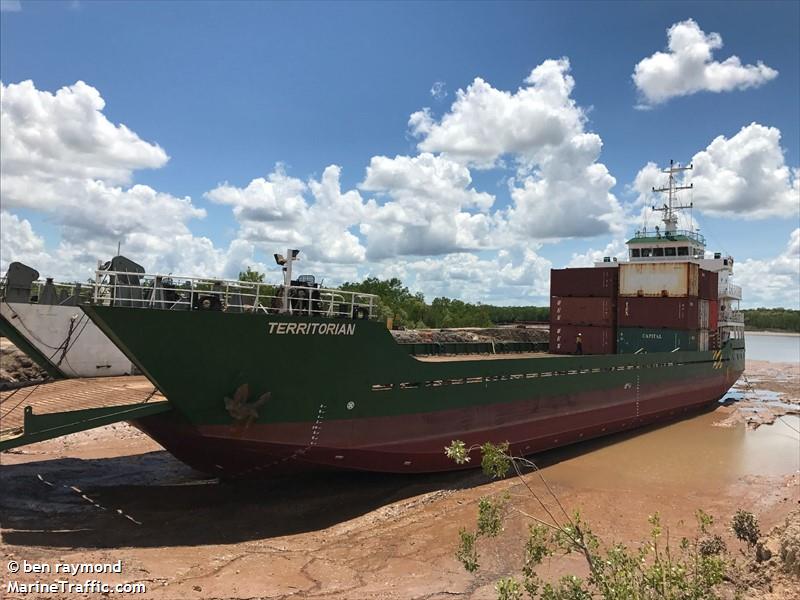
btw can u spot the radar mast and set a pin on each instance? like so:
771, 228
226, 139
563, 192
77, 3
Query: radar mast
671, 207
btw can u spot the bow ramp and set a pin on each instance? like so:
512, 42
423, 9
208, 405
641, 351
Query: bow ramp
50, 410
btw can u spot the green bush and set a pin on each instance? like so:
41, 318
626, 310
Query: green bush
654, 569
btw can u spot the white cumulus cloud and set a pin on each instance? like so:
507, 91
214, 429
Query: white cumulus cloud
569, 195
616, 248
18, 242
561, 190
775, 281
743, 176
431, 208
688, 67
485, 123
274, 212
61, 157
505, 277
66, 135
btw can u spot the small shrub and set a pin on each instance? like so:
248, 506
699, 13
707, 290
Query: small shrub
745, 526
467, 553
508, 588
490, 521
711, 546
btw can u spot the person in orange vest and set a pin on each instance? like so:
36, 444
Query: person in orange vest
579, 344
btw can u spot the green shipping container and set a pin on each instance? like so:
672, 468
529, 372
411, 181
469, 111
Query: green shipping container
642, 339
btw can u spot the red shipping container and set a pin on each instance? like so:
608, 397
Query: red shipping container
671, 313
568, 310
584, 282
595, 340
713, 314
708, 284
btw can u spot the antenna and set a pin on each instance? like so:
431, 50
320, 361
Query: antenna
670, 218
286, 262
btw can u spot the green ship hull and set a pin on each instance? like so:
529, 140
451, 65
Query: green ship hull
259, 394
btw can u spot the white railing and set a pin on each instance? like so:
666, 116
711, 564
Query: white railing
731, 316
731, 291
170, 292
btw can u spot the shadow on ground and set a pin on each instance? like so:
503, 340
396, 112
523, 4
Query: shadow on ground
174, 506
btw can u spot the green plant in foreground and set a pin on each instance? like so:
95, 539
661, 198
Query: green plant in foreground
467, 554
745, 527
655, 569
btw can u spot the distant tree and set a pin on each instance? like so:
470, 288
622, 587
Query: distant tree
444, 312
410, 310
396, 300
781, 319
251, 275
512, 314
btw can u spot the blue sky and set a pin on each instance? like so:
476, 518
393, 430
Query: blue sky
230, 89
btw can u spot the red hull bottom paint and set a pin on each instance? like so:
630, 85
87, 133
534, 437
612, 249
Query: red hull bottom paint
415, 443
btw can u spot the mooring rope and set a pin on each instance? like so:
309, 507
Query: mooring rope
80, 492
32, 334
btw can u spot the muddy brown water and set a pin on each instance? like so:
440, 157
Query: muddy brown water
690, 453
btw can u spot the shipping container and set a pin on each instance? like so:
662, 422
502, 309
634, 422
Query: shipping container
631, 340
678, 279
568, 310
584, 282
713, 314
595, 340
703, 316
702, 340
708, 285
674, 313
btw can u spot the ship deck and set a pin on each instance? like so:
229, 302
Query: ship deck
468, 357
73, 395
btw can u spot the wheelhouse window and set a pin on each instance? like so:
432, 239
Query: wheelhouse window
647, 251
669, 251
635, 253
683, 251
658, 252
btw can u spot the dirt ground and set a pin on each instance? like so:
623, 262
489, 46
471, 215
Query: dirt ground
16, 367
113, 494
531, 333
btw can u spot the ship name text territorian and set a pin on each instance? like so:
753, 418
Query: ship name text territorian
312, 328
